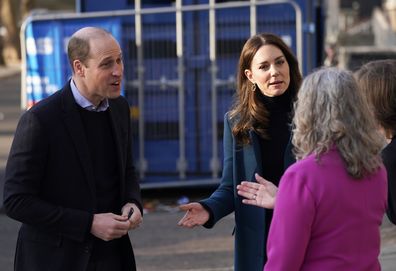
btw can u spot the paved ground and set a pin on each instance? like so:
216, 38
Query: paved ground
160, 245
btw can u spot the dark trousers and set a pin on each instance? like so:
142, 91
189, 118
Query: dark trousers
109, 263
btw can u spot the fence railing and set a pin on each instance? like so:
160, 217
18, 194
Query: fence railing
180, 65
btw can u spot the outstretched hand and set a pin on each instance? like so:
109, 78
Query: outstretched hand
195, 215
261, 194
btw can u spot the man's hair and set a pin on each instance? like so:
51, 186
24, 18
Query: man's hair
78, 47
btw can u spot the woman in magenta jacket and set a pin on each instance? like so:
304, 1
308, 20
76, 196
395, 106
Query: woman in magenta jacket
330, 203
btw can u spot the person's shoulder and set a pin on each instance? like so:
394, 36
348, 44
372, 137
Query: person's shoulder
390, 149
307, 173
47, 104
304, 169
307, 162
329, 163
49, 108
119, 101
227, 116
119, 106
297, 168
231, 119
45, 111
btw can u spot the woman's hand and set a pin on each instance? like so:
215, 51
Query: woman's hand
196, 215
261, 194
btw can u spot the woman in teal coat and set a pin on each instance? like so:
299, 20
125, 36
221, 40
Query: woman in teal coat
256, 136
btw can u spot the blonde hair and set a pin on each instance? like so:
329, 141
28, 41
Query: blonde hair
331, 111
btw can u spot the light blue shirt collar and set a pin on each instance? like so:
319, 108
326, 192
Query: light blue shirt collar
84, 103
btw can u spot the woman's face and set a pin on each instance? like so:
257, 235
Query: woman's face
270, 71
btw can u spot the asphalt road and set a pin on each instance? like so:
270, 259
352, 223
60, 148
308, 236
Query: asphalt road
159, 244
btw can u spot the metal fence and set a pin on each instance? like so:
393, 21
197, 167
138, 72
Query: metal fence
180, 65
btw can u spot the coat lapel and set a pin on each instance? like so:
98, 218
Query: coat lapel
116, 126
75, 128
256, 145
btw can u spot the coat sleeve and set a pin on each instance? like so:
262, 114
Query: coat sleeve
221, 202
291, 224
25, 170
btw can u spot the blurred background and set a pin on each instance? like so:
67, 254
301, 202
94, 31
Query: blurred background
13, 12
180, 62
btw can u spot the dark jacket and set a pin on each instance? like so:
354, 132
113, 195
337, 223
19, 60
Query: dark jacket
50, 188
240, 164
389, 158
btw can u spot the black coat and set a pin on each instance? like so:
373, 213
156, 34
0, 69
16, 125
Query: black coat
50, 188
389, 158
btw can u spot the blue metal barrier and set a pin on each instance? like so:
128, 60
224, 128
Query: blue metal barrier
47, 69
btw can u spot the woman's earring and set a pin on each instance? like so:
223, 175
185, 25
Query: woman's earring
254, 87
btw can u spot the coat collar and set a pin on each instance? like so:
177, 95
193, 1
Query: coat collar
117, 126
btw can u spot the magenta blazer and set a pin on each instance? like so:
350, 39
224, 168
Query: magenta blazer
326, 220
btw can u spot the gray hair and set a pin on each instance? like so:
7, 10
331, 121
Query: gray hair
331, 111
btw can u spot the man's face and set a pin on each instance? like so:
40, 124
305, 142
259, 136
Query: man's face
103, 71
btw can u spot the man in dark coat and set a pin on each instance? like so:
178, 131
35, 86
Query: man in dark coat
70, 178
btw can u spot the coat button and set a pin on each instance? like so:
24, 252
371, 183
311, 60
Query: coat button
87, 249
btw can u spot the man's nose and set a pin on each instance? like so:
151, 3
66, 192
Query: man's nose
118, 70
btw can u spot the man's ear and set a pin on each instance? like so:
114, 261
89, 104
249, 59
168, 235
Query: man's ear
79, 68
249, 75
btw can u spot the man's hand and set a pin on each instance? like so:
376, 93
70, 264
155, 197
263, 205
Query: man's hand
135, 218
109, 226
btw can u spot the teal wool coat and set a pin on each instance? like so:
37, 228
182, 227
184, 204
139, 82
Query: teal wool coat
240, 164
